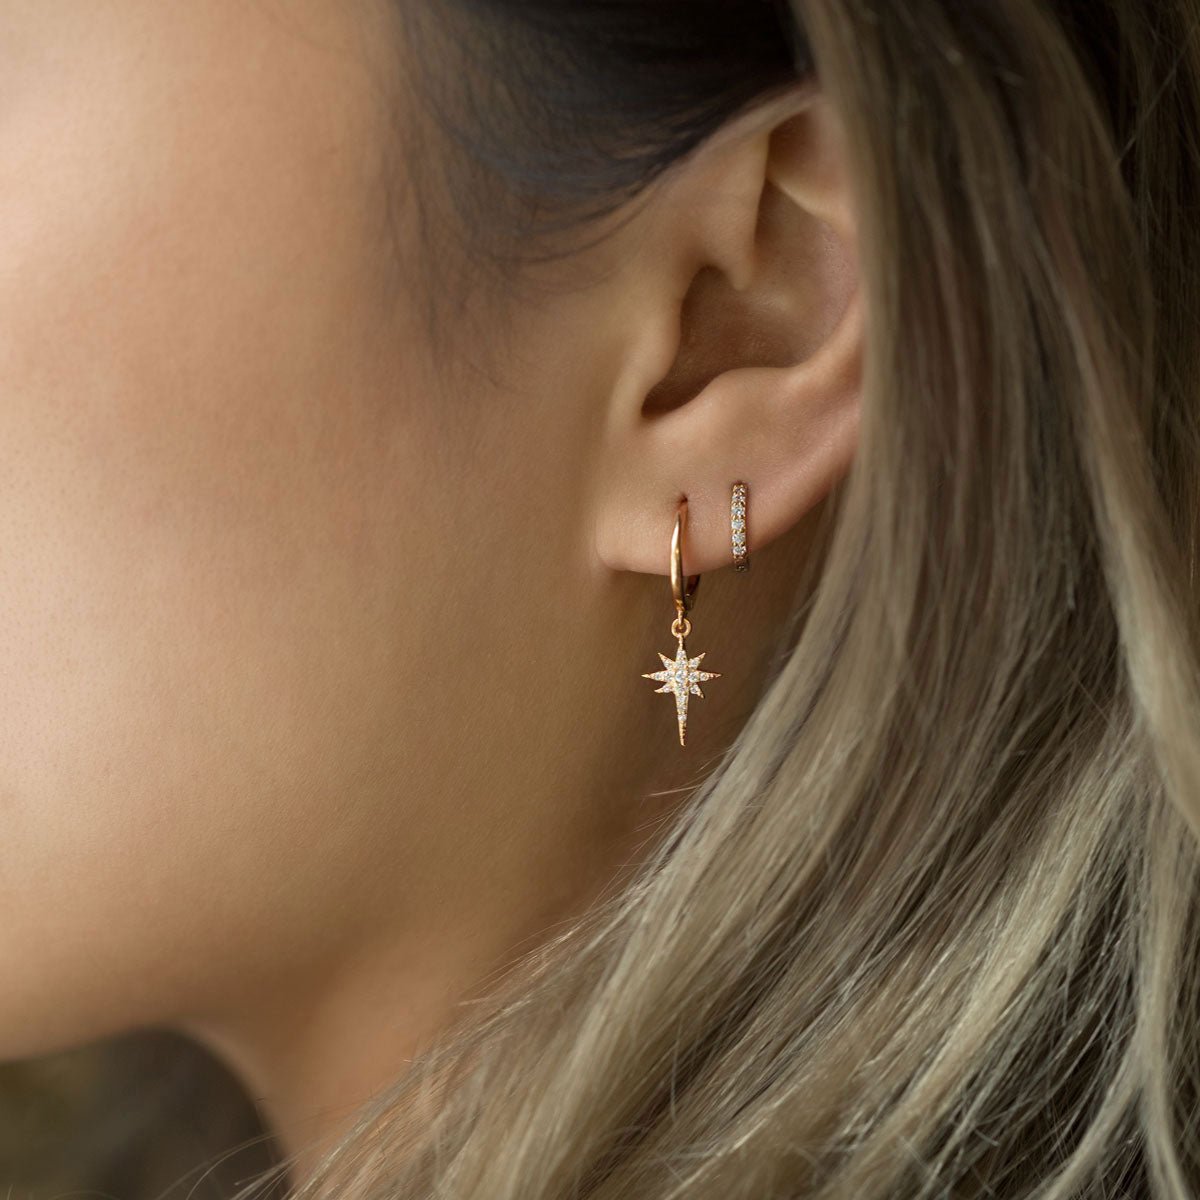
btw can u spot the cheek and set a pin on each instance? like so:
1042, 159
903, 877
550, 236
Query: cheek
190, 469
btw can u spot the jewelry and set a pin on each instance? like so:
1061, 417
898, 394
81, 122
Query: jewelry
681, 675
737, 521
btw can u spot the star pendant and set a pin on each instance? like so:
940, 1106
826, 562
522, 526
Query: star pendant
682, 676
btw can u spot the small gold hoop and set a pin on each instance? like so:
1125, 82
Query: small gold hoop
685, 595
681, 627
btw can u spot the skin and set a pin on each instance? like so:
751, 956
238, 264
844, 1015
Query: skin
321, 652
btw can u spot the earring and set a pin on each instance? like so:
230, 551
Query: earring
737, 522
681, 675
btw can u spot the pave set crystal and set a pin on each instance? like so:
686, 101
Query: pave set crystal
681, 675
737, 521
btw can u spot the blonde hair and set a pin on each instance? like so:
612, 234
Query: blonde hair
929, 928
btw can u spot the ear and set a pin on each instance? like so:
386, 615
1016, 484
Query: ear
741, 329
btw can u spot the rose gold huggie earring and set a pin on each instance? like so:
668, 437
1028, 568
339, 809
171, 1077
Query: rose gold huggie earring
737, 523
681, 674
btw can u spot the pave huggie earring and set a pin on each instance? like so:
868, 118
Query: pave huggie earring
681, 675
737, 523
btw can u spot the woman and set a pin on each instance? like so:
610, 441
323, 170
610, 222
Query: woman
378, 380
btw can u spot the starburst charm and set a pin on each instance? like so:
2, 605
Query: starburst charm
681, 675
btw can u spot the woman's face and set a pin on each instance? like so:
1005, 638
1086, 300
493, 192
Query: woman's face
199, 470
239, 601
322, 626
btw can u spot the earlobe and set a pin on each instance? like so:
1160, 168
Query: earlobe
765, 380
790, 432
